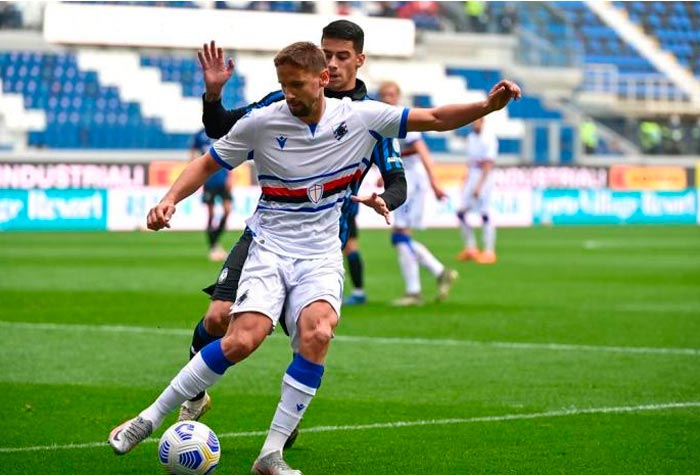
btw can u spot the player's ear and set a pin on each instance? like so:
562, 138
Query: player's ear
360, 60
324, 78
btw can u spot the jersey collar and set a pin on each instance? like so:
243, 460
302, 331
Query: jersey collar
356, 94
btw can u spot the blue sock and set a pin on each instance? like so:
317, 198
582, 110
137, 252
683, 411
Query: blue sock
307, 373
214, 358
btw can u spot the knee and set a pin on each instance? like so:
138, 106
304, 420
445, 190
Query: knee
316, 329
244, 335
238, 345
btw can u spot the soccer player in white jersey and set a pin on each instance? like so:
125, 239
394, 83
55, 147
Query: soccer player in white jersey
419, 177
482, 149
306, 150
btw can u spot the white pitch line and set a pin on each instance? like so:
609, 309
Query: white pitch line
373, 340
400, 424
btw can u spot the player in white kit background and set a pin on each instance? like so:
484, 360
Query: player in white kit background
420, 178
306, 150
482, 150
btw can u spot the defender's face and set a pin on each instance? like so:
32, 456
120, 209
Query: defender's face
343, 62
478, 125
302, 89
390, 95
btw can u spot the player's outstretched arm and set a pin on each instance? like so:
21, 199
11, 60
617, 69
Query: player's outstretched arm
454, 116
192, 177
375, 202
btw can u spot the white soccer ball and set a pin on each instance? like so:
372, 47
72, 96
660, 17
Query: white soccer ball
189, 448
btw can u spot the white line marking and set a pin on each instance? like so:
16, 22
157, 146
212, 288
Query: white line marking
373, 340
394, 425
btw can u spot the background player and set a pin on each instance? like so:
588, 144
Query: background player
218, 187
482, 149
409, 216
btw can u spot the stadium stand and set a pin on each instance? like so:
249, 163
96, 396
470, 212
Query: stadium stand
150, 99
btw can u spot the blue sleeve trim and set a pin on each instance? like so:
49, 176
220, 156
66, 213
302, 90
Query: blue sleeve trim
217, 158
271, 98
404, 123
307, 373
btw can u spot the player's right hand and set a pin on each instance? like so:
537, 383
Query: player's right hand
216, 70
159, 216
502, 93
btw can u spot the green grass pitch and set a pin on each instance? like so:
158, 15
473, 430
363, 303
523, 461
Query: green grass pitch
579, 352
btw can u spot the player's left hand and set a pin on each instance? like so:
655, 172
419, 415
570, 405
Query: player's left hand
502, 93
375, 202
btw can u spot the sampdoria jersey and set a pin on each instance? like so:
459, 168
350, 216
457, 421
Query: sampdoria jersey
307, 172
481, 147
201, 142
386, 154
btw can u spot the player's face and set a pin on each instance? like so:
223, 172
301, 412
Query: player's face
303, 90
477, 125
343, 62
390, 95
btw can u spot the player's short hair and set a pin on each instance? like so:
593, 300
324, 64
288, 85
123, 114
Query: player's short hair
389, 84
304, 55
345, 30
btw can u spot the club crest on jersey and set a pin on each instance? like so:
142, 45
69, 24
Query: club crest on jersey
281, 140
315, 193
340, 131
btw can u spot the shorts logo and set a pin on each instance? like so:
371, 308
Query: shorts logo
223, 275
315, 193
242, 298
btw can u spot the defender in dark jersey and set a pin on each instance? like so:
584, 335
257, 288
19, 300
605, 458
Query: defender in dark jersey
342, 42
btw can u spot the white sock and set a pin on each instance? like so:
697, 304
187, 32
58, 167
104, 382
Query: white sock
294, 401
410, 269
426, 258
468, 234
193, 378
488, 235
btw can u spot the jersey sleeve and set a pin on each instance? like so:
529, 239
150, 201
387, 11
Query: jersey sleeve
217, 120
238, 145
387, 156
381, 119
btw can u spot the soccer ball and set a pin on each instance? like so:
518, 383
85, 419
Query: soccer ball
189, 448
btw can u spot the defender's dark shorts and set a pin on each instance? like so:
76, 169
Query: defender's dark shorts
226, 285
210, 193
352, 226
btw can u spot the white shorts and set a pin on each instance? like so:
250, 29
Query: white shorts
481, 204
271, 282
410, 214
